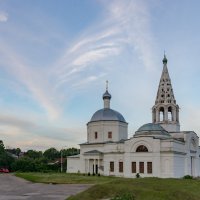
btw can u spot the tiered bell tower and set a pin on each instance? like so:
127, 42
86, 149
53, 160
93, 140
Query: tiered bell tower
165, 111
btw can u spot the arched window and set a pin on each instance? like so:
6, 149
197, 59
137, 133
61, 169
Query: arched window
142, 148
161, 113
170, 114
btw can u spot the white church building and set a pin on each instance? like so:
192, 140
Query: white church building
157, 149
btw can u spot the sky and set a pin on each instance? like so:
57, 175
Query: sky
55, 58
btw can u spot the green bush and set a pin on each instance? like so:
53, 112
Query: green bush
137, 175
187, 177
125, 196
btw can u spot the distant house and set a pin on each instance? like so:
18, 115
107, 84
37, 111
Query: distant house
157, 149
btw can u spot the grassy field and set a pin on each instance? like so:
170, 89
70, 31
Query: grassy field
109, 187
63, 178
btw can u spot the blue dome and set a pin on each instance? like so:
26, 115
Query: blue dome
107, 114
152, 129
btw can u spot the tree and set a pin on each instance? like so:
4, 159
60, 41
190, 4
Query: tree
24, 164
18, 151
5, 158
2, 148
14, 151
34, 154
70, 152
51, 154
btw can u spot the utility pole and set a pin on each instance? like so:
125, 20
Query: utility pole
61, 161
61, 158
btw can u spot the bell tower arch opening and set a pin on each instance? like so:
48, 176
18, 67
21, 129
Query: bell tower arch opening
161, 113
170, 117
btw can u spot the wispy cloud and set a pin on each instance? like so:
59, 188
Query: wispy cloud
3, 16
125, 24
32, 79
135, 21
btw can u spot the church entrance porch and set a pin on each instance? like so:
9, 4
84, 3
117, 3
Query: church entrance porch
93, 166
95, 169
93, 162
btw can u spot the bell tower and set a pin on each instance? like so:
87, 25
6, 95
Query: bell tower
165, 111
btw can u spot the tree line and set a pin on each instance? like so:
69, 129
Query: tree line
35, 161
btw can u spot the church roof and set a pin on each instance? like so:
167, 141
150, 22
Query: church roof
93, 152
107, 114
152, 129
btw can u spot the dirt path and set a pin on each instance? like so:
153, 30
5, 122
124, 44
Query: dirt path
14, 188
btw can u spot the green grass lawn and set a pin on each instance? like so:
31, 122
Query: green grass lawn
63, 178
108, 187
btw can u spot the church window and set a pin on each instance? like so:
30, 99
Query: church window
142, 148
141, 167
121, 167
168, 95
133, 167
95, 135
110, 135
111, 166
149, 167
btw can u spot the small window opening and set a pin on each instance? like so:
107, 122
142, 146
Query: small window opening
149, 167
95, 135
111, 166
133, 167
110, 135
141, 167
121, 167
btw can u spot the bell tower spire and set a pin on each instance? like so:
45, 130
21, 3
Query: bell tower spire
166, 111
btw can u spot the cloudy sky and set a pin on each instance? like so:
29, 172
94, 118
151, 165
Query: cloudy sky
55, 57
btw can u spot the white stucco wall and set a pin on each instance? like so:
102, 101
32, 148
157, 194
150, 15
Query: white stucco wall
119, 131
73, 165
169, 157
